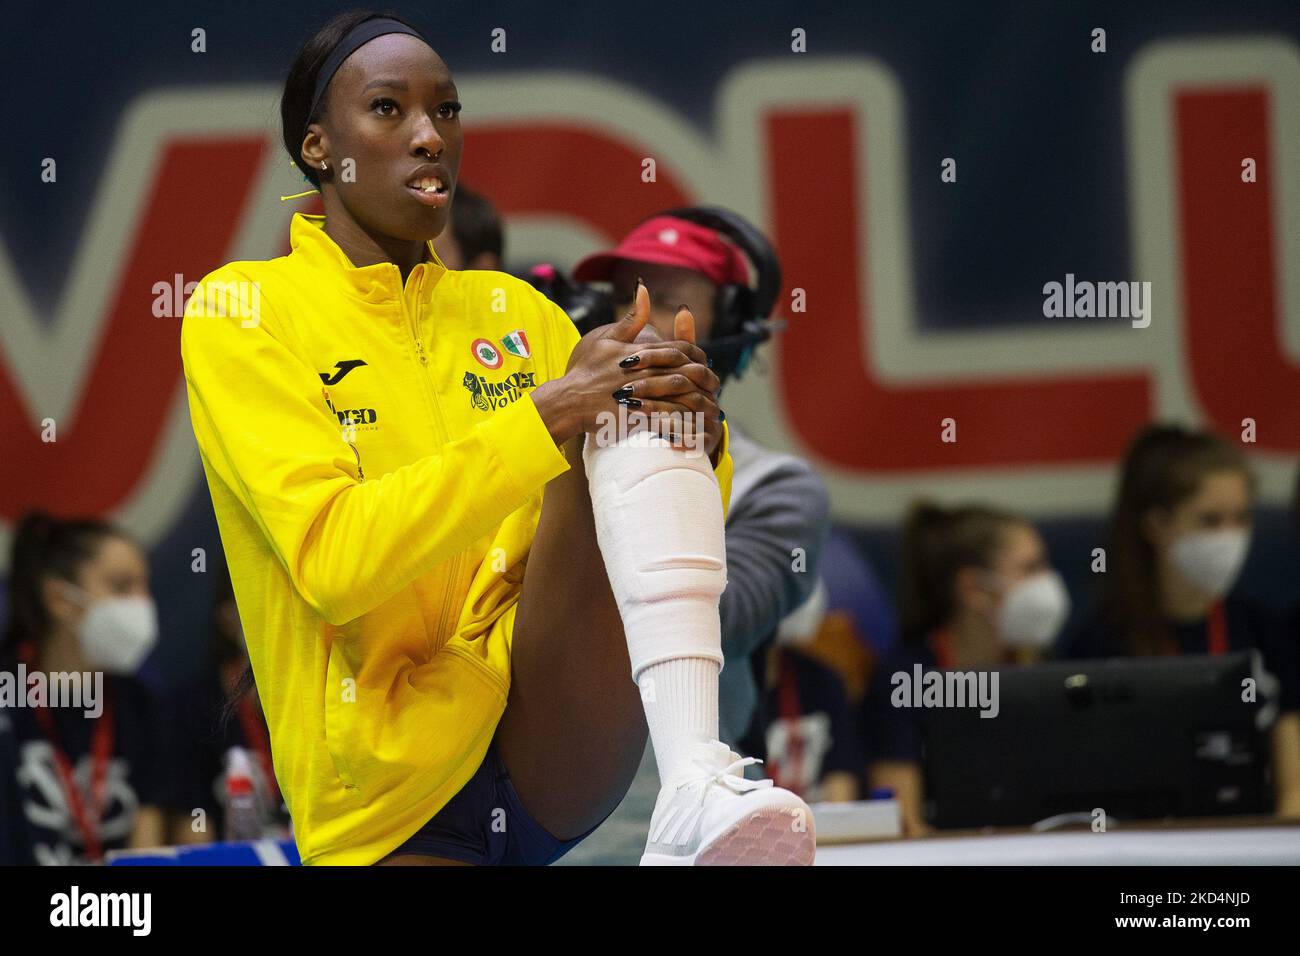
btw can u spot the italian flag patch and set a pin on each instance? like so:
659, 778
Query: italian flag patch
516, 343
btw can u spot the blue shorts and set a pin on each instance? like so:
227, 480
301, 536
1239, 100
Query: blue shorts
486, 824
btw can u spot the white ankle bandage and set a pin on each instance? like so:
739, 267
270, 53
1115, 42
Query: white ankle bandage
659, 524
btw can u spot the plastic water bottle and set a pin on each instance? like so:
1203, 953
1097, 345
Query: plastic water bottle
243, 814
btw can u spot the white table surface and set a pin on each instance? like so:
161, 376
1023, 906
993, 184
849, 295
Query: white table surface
1230, 846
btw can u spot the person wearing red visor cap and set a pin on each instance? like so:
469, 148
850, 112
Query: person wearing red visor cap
681, 263
781, 504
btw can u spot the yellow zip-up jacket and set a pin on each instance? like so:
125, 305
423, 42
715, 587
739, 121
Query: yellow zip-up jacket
377, 469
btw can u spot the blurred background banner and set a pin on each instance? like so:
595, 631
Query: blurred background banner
926, 172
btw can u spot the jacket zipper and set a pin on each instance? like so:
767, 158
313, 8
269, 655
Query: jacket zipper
423, 358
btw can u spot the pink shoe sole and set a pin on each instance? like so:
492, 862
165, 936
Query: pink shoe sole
767, 837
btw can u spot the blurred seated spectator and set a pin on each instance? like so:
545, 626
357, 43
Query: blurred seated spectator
976, 590
73, 786
1178, 535
805, 729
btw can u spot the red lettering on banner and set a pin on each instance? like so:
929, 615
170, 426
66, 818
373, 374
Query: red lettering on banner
839, 408
836, 404
530, 168
1230, 266
106, 441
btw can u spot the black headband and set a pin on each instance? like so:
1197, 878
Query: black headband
355, 38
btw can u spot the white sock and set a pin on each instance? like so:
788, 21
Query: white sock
659, 523
680, 697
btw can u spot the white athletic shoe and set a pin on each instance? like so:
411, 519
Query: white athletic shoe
719, 818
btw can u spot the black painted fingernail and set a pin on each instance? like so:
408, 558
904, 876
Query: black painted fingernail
722, 416
682, 306
623, 392
630, 402
639, 283
629, 361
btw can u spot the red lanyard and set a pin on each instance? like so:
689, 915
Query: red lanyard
86, 818
788, 707
255, 733
1216, 632
941, 648
1216, 637
101, 749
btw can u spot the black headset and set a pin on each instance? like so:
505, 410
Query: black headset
741, 313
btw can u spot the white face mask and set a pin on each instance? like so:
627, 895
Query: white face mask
1211, 560
117, 633
1033, 610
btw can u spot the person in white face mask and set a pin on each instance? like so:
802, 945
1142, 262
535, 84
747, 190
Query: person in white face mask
87, 775
115, 632
1178, 536
976, 591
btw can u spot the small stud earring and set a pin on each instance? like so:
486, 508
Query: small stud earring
322, 164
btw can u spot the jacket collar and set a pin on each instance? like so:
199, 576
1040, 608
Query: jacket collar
381, 281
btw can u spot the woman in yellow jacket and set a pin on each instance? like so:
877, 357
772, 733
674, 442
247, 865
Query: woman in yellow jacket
454, 527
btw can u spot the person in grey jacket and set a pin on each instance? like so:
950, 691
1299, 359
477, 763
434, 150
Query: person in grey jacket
779, 515
776, 528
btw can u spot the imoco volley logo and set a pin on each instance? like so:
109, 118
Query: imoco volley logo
488, 396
